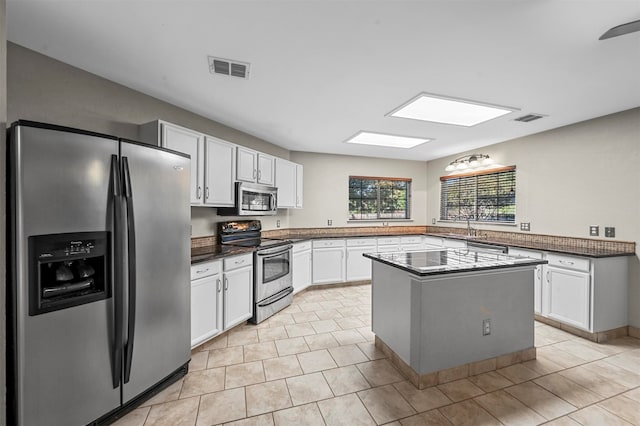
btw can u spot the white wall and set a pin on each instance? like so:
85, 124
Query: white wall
572, 177
326, 187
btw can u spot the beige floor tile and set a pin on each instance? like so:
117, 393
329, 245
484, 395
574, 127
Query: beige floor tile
281, 368
370, 350
349, 323
568, 390
266, 397
310, 307
215, 343
597, 416
244, 374
308, 388
460, 390
324, 326
307, 415
201, 382
508, 409
468, 413
380, 372
198, 361
518, 373
298, 330
345, 380
553, 334
581, 349
292, 346
262, 420
385, 404
490, 381
221, 407
321, 341
136, 417
563, 421
430, 418
329, 314
272, 333
542, 365
629, 360
182, 412
614, 373
316, 361
244, 337
367, 333
331, 304
348, 337
541, 400
280, 320
259, 351
624, 407
226, 356
170, 393
561, 358
366, 319
633, 394
302, 317
593, 381
347, 355
422, 400
345, 410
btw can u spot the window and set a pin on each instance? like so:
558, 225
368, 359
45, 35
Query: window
486, 196
378, 198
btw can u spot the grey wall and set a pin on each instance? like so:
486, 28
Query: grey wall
3, 239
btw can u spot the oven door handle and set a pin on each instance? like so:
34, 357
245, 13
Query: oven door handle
276, 297
271, 252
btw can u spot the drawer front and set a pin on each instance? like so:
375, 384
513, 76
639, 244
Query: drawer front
433, 241
526, 253
416, 239
569, 262
388, 240
361, 242
302, 246
328, 243
205, 269
235, 262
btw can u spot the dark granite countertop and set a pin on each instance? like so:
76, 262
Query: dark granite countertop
448, 261
305, 237
207, 253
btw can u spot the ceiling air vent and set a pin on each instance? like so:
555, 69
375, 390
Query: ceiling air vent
529, 117
228, 67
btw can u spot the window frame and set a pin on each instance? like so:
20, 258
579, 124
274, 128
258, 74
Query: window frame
379, 213
471, 183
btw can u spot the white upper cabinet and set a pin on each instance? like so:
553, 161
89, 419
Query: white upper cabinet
289, 184
299, 188
254, 166
219, 173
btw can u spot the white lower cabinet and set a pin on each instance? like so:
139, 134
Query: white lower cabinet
302, 266
388, 244
329, 264
238, 289
540, 306
206, 301
358, 266
569, 296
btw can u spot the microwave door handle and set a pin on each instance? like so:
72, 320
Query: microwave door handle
273, 201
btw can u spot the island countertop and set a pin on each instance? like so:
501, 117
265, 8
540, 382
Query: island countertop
446, 261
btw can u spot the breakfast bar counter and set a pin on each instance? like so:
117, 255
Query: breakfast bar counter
444, 314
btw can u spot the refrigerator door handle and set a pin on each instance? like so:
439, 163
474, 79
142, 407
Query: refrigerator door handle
118, 257
131, 239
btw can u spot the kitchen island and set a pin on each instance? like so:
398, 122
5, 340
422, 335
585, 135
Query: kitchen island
445, 314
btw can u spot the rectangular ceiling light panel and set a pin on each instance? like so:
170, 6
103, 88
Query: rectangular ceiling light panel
460, 112
381, 139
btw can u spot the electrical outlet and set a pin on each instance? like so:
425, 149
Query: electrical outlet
594, 230
525, 226
278, 223
433, 221
329, 222
610, 232
486, 327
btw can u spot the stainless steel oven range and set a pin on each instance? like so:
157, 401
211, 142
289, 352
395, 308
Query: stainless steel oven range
272, 266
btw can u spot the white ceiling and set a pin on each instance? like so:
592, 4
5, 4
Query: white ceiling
323, 70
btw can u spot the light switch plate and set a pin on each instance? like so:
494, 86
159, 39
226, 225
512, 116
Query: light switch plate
525, 226
610, 232
594, 230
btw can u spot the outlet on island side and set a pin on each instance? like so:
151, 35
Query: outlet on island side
329, 222
486, 327
278, 223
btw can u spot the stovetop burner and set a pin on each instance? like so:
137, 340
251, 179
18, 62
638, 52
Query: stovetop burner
246, 233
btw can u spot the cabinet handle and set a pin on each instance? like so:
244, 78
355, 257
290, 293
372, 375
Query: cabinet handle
239, 262
254, 173
199, 194
548, 277
202, 271
259, 174
539, 273
218, 285
226, 283
207, 193
566, 262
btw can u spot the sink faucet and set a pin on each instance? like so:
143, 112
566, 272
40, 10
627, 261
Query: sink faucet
469, 228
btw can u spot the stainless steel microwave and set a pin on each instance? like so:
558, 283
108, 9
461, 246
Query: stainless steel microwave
252, 200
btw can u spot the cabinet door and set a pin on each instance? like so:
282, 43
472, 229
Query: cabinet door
301, 270
189, 142
247, 168
238, 296
205, 309
220, 172
299, 185
358, 266
286, 183
569, 296
266, 169
537, 290
328, 265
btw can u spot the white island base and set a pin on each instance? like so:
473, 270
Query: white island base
433, 327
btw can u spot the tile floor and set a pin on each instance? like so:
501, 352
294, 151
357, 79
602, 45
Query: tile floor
315, 364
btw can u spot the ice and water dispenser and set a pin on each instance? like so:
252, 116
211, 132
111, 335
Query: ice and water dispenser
68, 270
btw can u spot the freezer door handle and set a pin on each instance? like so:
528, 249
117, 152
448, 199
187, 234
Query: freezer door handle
131, 248
118, 257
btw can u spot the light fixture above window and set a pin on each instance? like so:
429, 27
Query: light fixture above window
383, 139
471, 163
442, 109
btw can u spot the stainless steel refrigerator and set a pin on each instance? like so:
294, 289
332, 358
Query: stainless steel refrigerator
98, 274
